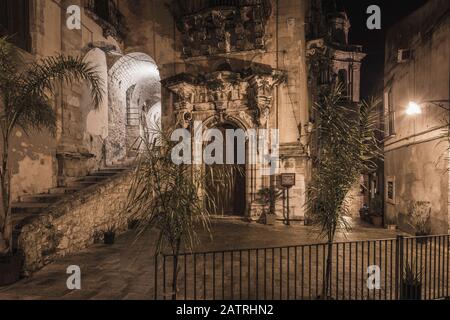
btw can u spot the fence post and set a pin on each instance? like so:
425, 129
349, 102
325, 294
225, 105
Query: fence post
399, 266
155, 281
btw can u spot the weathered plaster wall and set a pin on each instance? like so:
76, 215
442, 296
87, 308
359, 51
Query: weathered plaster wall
33, 162
76, 223
33, 156
416, 157
419, 176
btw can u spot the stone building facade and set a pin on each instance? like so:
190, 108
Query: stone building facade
240, 64
416, 154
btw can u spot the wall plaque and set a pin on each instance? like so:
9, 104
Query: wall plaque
288, 180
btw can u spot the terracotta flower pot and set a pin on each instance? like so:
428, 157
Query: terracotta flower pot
10, 269
271, 219
377, 221
411, 291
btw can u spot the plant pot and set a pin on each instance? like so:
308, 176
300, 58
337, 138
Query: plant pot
377, 221
271, 219
109, 237
10, 269
411, 291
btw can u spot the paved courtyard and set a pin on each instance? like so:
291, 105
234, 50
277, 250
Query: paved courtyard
125, 270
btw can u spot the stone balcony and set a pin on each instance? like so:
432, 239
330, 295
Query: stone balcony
217, 27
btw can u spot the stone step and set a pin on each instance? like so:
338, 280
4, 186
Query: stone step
28, 207
80, 184
105, 173
42, 198
113, 169
93, 178
64, 190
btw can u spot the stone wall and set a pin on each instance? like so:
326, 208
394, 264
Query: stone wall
76, 222
416, 155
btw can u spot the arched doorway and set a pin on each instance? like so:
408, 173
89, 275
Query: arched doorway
134, 91
229, 201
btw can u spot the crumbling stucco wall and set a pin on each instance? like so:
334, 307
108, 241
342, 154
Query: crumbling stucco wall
34, 165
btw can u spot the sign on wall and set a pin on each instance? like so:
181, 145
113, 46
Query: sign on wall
288, 180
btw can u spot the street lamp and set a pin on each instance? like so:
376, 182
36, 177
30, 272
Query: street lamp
414, 108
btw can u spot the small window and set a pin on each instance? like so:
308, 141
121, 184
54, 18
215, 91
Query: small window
390, 190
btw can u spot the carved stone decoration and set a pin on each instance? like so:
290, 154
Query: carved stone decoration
314, 47
214, 27
260, 95
224, 92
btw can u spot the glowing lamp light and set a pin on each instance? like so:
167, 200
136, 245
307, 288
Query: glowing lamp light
413, 108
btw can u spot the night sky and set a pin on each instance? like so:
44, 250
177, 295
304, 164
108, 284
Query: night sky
392, 11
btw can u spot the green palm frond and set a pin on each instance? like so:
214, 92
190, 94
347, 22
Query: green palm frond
10, 58
43, 75
174, 199
26, 92
348, 147
39, 114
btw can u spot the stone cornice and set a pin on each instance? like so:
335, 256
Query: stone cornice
224, 91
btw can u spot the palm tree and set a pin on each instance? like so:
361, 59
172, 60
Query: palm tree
347, 148
174, 199
26, 90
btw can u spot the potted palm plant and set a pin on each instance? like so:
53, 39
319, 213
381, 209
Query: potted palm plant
174, 199
26, 90
376, 211
411, 288
339, 127
419, 213
268, 198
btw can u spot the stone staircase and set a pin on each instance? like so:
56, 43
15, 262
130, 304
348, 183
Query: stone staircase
31, 206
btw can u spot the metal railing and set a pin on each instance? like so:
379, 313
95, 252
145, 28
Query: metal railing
360, 270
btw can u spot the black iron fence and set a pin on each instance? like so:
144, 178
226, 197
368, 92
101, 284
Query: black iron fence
389, 269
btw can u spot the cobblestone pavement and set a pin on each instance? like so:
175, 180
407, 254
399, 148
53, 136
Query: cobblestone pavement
125, 270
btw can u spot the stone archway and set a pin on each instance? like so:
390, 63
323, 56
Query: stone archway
242, 97
134, 89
